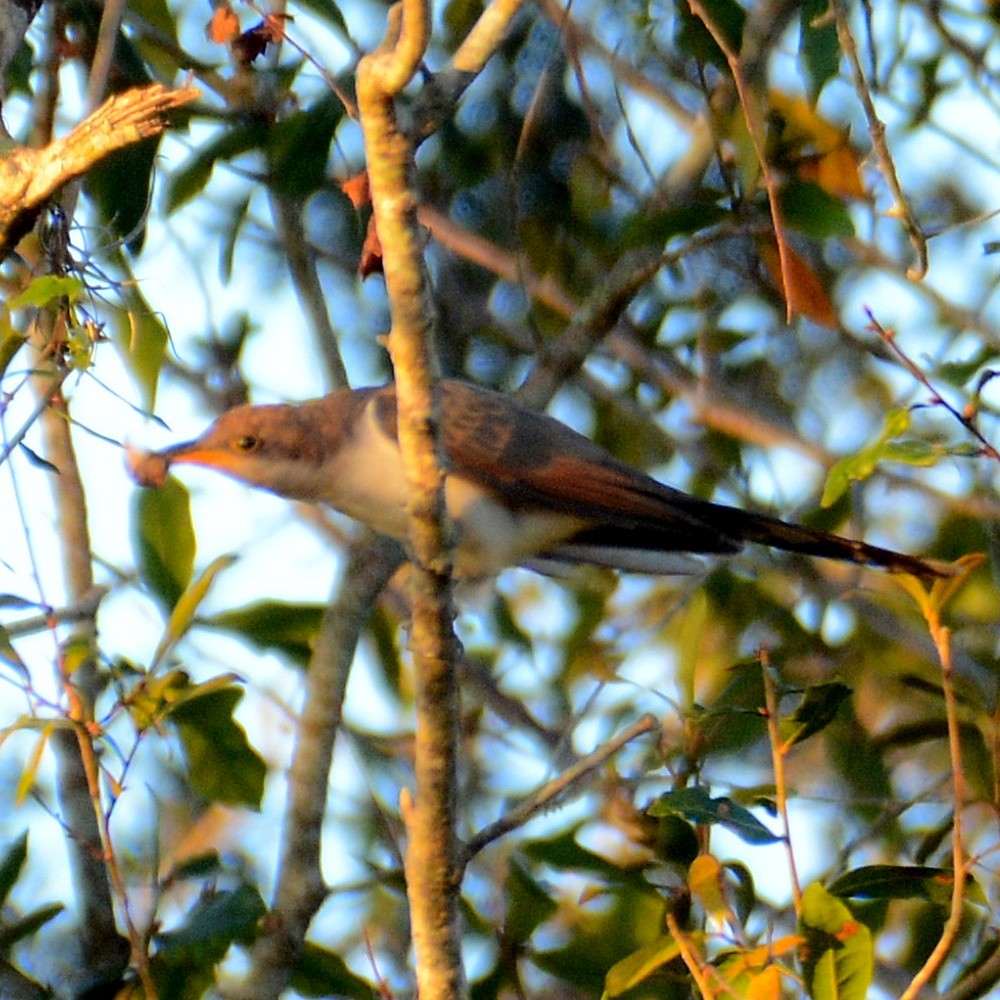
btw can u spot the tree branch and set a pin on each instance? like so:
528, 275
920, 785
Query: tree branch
300, 889
546, 797
433, 870
29, 177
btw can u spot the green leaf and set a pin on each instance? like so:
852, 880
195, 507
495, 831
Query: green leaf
676, 840
806, 207
958, 373
814, 713
119, 185
692, 37
694, 217
733, 720
11, 341
215, 922
913, 452
744, 892
507, 626
230, 227
18, 930
699, 807
26, 779
199, 866
222, 764
687, 629
9, 655
163, 541
182, 616
903, 882
320, 972
19, 603
234, 140
839, 961
298, 148
274, 625
11, 865
45, 289
383, 630
140, 338
819, 47
528, 904
860, 764
36, 460
858, 467
640, 965
563, 852
19, 70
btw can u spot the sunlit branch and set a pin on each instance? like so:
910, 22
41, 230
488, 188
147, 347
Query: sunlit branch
552, 791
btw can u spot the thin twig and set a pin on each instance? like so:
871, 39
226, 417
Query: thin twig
949, 933
104, 51
780, 781
83, 609
937, 399
690, 958
749, 103
553, 790
876, 129
287, 214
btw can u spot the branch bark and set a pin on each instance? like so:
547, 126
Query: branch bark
432, 862
29, 177
300, 888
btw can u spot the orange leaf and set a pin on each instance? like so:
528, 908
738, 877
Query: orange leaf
371, 252
357, 189
807, 296
224, 26
766, 986
838, 172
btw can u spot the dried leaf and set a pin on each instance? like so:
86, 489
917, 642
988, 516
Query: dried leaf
371, 252
357, 189
807, 296
224, 26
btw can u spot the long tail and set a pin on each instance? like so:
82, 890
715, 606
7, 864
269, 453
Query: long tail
764, 530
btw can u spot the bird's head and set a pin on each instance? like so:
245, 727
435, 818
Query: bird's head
270, 447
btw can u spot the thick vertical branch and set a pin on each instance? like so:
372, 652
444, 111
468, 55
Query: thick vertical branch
300, 888
433, 870
104, 953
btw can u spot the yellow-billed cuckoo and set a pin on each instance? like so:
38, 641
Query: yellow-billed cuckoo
521, 487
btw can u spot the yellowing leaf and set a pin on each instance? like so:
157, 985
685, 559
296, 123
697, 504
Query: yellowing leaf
705, 882
766, 985
26, 780
837, 957
187, 604
641, 964
838, 172
803, 125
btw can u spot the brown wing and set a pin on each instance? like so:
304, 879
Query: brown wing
534, 462
537, 463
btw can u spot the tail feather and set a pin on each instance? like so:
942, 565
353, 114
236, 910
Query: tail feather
708, 528
764, 530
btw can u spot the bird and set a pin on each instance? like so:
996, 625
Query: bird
521, 487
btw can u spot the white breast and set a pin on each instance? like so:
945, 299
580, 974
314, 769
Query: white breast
365, 480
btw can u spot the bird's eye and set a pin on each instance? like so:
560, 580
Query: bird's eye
247, 443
